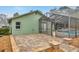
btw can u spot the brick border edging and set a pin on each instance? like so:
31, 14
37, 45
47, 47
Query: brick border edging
13, 44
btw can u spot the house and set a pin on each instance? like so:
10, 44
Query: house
26, 23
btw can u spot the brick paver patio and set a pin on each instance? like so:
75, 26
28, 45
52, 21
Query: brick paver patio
37, 41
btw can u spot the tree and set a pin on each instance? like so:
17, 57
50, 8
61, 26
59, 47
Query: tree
16, 14
64, 7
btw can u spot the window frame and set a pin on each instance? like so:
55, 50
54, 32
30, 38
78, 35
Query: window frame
18, 26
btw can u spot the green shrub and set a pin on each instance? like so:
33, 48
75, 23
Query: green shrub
4, 31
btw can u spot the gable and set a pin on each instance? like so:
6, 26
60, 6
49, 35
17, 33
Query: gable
25, 15
28, 17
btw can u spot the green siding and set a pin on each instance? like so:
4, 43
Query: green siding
29, 24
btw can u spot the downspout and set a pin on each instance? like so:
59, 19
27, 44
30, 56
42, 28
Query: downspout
69, 26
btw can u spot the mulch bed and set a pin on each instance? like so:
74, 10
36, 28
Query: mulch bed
5, 45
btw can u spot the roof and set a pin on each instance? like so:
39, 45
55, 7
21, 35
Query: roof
25, 15
73, 14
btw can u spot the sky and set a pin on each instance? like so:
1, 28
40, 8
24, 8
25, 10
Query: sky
10, 10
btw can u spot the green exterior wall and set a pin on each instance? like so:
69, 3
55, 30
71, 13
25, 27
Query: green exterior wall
29, 24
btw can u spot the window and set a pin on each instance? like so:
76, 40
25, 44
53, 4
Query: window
17, 25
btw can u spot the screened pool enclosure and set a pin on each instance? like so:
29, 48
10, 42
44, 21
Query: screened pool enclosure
59, 25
